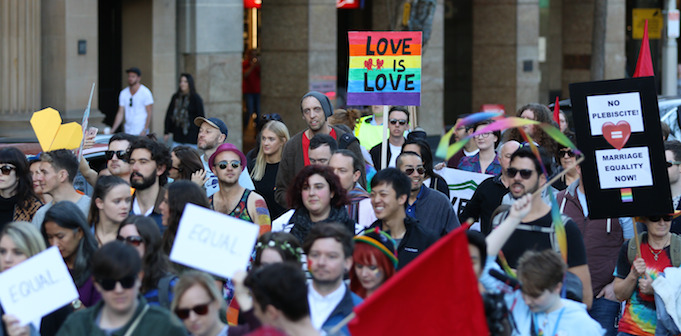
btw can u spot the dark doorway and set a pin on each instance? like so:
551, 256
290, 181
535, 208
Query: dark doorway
458, 59
110, 68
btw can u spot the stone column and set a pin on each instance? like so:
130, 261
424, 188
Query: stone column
19, 62
67, 76
615, 40
164, 63
211, 48
431, 112
528, 75
298, 40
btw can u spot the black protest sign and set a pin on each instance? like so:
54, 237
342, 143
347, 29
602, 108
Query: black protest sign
617, 125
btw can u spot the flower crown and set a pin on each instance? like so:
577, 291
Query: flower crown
284, 246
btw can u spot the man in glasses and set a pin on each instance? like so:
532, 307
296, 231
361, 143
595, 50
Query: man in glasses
398, 123
232, 199
58, 168
117, 271
149, 161
390, 189
315, 108
212, 133
672, 152
116, 159
490, 192
430, 207
536, 230
135, 105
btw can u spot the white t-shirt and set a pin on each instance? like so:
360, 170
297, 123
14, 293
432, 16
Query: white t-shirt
135, 108
394, 153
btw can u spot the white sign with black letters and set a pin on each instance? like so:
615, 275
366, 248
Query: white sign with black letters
615, 108
213, 242
625, 168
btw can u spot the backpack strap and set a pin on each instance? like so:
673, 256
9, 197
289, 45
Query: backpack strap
631, 251
164, 289
675, 249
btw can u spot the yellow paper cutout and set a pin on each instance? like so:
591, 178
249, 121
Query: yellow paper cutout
51, 134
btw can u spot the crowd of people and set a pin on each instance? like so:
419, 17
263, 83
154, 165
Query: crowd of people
334, 225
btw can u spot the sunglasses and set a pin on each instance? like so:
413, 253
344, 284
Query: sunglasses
665, 218
669, 164
130, 101
121, 154
402, 122
6, 170
131, 240
201, 309
524, 173
126, 282
223, 164
419, 170
567, 151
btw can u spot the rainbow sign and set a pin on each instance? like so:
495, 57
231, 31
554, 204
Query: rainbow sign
385, 68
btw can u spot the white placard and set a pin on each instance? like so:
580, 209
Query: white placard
37, 286
615, 108
625, 168
213, 242
462, 185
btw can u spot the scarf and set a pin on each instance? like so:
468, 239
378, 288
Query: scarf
302, 222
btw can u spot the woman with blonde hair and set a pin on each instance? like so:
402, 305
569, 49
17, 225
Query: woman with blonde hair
264, 169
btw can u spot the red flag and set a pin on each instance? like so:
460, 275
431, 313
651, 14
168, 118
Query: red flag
436, 294
556, 112
644, 65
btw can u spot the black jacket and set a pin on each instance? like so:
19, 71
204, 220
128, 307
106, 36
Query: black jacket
485, 200
195, 109
415, 241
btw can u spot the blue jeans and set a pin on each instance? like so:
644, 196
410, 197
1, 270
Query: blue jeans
252, 104
606, 313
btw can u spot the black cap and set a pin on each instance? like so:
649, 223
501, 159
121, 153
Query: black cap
135, 70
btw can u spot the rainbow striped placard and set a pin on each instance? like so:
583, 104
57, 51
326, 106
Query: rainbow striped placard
385, 68
627, 195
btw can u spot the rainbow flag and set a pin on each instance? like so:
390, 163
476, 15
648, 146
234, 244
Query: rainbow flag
627, 195
384, 68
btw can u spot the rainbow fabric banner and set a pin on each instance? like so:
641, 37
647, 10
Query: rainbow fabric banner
385, 68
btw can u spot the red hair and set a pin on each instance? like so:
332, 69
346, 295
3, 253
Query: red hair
362, 255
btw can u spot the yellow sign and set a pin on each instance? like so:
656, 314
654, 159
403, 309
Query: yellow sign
52, 134
655, 23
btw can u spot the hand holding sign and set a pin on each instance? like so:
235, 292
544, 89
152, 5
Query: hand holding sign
616, 135
37, 286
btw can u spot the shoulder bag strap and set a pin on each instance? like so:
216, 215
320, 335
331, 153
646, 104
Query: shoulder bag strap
134, 324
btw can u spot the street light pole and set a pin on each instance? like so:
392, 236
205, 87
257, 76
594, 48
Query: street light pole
669, 50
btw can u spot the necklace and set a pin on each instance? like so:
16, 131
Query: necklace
656, 255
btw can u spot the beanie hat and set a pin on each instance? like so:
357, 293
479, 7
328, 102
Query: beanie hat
323, 100
380, 240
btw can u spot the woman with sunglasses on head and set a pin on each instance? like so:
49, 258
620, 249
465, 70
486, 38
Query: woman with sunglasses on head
110, 205
317, 196
65, 227
159, 279
177, 195
430, 179
184, 107
536, 112
19, 241
273, 137
18, 201
186, 165
374, 261
636, 269
486, 161
117, 268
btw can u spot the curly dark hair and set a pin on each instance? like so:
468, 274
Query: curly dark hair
159, 153
295, 190
541, 114
13, 156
